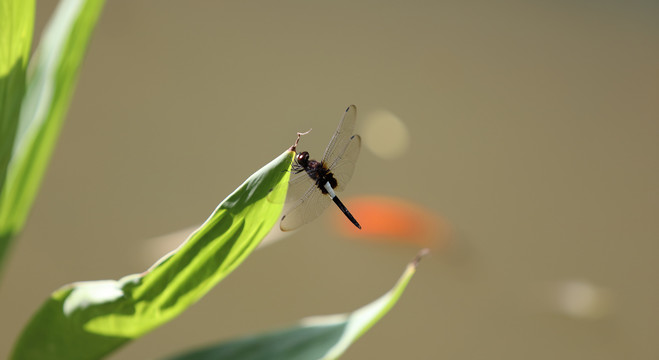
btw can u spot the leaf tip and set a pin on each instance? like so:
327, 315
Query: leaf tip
420, 255
299, 134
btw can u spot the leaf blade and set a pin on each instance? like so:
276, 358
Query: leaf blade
322, 337
90, 319
48, 93
16, 24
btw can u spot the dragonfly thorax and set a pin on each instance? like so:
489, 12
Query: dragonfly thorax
316, 170
319, 172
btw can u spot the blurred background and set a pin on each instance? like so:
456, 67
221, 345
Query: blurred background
529, 130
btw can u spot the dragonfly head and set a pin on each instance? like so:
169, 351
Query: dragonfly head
302, 158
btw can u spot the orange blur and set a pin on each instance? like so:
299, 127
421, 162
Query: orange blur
392, 219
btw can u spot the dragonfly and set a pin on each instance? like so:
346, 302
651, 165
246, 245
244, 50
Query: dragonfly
314, 184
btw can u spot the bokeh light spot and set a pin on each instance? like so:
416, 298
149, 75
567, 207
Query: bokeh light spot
394, 220
385, 134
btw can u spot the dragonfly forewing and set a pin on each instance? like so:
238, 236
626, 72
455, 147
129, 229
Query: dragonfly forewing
344, 165
341, 138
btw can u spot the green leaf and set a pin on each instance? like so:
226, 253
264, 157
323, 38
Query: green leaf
49, 89
322, 337
87, 320
16, 23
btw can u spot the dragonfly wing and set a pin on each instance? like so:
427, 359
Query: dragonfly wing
309, 206
299, 186
344, 166
341, 137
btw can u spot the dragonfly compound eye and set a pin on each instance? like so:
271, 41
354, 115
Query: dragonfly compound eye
302, 158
